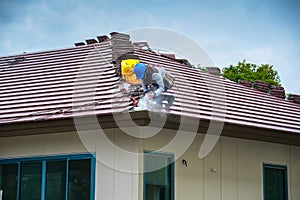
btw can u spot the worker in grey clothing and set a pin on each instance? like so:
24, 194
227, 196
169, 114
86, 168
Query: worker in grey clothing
153, 83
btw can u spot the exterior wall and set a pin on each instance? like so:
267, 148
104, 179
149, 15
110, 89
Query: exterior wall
109, 183
294, 178
233, 170
37, 145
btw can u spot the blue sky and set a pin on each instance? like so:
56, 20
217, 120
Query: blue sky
230, 31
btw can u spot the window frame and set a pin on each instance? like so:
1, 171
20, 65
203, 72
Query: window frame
275, 166
44, 159
170, 155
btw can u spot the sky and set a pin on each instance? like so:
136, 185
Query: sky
260, 31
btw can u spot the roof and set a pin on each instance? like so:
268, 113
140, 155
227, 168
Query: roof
215, 96
82, 80
42, 86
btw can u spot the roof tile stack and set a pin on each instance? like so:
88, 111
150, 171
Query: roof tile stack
141, 45
277, 91
121, 45
214, 70
294, 98
91, 41
261, 86
245, 83
102, 38
168, 55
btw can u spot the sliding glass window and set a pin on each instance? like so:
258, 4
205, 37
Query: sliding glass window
46, 178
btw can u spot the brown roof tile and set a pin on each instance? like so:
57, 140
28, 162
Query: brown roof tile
41, 87
234, 103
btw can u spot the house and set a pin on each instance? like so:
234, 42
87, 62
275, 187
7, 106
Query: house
68, 131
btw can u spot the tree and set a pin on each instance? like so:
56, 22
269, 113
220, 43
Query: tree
252, 72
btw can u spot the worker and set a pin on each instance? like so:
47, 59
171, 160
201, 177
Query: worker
153, 83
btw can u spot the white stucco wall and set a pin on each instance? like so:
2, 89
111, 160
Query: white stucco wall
238, 163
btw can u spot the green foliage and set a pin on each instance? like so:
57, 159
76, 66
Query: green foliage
252, 72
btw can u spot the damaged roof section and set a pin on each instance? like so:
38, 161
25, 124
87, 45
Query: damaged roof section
85, 79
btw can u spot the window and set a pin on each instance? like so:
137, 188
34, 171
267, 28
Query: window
9, 180
56, 180
79, 180
69, 177
158, 176
275, 182
31, 180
